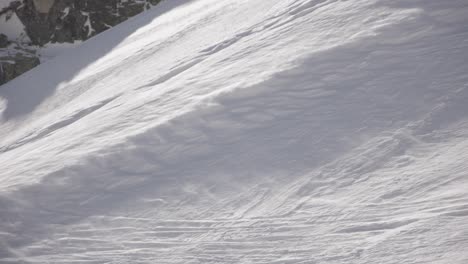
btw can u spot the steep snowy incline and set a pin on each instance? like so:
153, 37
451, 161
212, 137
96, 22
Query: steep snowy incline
221, 131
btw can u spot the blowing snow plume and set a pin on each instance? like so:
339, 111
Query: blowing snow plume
257, 131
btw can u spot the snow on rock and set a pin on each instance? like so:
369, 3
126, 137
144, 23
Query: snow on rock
5, 3
13, 28
223, 131
87, 24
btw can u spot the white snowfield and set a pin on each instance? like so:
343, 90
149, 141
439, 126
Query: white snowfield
235, 131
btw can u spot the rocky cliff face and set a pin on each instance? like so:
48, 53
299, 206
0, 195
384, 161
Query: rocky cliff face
26, 26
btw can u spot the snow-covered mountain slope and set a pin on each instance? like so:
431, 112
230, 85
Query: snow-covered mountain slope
221, 131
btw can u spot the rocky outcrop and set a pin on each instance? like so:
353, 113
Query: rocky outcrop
59, 21
16, 64
70, 20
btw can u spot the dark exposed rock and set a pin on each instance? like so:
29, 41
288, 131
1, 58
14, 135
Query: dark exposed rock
16, 64
66, 21
70, 20
3, 41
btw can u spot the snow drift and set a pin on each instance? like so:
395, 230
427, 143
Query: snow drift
220, 131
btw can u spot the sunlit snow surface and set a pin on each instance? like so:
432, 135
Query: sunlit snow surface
261, 131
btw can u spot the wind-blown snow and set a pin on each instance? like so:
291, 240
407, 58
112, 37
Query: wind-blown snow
223, 131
